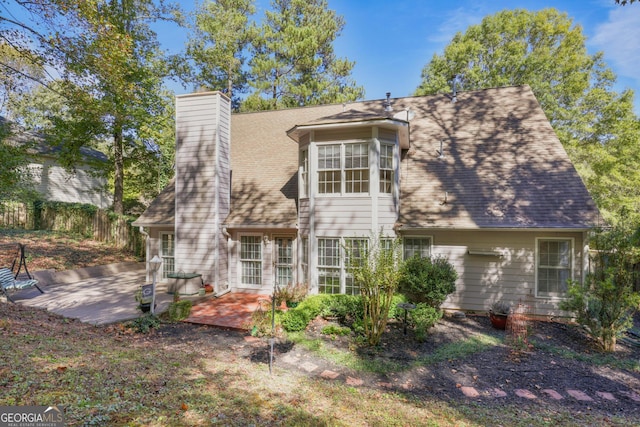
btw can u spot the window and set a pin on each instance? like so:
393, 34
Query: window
304, 173
305, 259
356, 165
420, 246
386, 168
251, 259
356, 249
167, 253
554, 266
329, 266
329, 169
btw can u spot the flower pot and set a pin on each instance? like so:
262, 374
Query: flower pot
498, 321
208, 288
201, 292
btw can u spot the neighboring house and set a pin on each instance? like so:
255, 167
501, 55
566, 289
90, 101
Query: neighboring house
276, 196
85, 184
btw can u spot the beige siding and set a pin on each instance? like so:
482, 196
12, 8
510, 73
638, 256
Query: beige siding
342, 134
303, 218
202, 184
484, 279
343, 216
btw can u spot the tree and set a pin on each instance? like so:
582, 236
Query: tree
293, 62
111, 74
15, 180
376, 269
605, 302
221, 34
18, 74
544, 50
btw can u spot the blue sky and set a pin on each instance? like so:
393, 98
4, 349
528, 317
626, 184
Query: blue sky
391, 41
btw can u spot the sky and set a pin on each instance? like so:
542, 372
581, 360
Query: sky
392, 40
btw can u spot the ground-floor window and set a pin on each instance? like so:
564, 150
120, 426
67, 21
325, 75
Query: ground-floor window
355, 249
167, 253
251, 260
329, 266
554, 266
416, 246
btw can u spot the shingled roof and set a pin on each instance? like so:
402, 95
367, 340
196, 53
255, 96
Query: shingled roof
501, 165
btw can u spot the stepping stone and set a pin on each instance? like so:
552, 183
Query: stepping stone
496, 392
309, 367
579, 395
525, 393
331, 375
291, 359
385, 385
354, 381
251, 339
469, 391
606, 395
552, 393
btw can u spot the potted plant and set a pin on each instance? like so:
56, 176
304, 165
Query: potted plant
499, 313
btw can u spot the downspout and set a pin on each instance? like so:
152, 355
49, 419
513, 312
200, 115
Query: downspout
146, 250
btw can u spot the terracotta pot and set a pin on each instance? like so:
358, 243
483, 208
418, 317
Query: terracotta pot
499, 321
208, 288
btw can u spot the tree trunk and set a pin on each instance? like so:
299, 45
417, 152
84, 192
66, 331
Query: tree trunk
118, 175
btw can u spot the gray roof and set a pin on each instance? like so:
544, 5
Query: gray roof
502, 165
161, 211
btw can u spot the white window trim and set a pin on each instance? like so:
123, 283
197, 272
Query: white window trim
419, 236
239, 257
343, 183
162, 267
537, 263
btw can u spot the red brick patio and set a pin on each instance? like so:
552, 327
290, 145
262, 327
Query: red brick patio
232, 311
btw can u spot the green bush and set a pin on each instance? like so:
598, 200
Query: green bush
295, 320
423, 318
335, 330
347, 308
428, 280
394, 311
144, 324
179, 310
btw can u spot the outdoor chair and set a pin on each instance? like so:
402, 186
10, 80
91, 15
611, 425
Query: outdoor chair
8, 283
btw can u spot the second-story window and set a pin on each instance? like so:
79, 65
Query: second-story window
329, 169
386, 168
356, 167
304, 173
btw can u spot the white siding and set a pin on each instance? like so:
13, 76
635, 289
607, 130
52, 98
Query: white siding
54, 183
484, 279
202, 184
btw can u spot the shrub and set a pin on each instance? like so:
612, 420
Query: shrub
144, 324
347, 308
335, 330
428, 280
295, 320
394, 311
606, 302
179, 310
424, 317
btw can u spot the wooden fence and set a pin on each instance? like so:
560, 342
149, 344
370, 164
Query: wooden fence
91, 222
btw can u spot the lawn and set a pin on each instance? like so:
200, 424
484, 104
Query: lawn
181, 374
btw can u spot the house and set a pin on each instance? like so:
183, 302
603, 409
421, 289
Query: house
275, 197
85, 184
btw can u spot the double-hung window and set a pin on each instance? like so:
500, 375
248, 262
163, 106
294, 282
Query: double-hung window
554, 266
386, 168
304, 173
167, 253
329, 266
329, 169
356, 168
251, 260
356, 249
420, 246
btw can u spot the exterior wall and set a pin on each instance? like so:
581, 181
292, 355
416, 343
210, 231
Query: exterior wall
153, 248
484, 279
202, 185
54, 183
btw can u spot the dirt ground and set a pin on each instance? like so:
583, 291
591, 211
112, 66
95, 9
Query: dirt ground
537, 368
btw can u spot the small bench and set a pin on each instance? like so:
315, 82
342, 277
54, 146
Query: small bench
8, 283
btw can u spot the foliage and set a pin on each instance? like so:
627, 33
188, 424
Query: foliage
394, 311
423, 318
293, 62
144, 324
501, 308
217, 46
346, 308
15, 68
335, 330
377, 271
292, 292
428, 280
606, 301
179, 310
543, 49
111, 72
294, 320
15, 179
